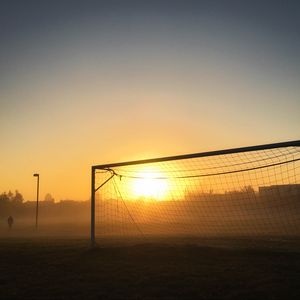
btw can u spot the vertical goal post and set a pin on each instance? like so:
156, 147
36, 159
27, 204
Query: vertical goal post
218, 170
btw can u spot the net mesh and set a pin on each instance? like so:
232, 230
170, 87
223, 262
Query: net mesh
248, 194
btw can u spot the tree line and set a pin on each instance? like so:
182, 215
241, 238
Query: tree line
10, 197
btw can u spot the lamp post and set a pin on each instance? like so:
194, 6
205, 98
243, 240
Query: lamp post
37, 199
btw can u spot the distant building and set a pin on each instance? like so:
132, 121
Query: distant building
30, 203
68, 202
282, 190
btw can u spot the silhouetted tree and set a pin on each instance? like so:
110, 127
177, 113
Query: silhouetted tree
10, 195
248, 189
49, 198
18, 198
4, 198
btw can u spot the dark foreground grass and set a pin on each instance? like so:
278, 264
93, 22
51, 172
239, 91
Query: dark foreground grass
60, 269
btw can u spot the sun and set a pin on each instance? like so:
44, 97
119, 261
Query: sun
151, 184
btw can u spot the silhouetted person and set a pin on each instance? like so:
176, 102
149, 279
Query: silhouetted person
10, 221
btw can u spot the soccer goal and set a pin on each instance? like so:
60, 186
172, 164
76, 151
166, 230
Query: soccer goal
242, 192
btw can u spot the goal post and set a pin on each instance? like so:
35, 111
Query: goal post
246, 191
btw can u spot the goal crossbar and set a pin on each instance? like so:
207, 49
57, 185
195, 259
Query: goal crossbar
200, 154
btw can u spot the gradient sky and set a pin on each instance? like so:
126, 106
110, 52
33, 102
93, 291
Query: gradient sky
91, 82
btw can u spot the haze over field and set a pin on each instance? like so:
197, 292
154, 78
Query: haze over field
89, 82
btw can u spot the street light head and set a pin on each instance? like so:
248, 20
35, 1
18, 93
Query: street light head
36, 174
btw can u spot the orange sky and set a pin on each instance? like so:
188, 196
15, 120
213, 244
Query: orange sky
92, 93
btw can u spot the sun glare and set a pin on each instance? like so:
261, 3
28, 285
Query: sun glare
148, 184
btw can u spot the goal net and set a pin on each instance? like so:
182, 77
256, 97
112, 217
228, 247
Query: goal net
243, 192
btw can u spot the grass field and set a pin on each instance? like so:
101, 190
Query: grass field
41, 268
